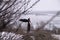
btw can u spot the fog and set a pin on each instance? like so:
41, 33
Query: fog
37, 18
47, 5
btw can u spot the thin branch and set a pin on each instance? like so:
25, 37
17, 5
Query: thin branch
8, 7
15, 12
28, 8
23, 11
31, 6
50, 20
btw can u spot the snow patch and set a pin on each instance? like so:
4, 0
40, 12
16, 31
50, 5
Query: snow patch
10, 36
57, 36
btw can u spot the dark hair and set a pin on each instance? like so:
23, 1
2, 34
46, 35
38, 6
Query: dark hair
29, 19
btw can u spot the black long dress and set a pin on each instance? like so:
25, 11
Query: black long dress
28, 27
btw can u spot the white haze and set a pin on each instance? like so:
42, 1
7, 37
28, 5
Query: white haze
47, 5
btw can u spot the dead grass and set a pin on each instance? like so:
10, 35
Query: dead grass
43, 35
38, 34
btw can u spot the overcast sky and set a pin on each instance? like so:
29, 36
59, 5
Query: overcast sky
47, 5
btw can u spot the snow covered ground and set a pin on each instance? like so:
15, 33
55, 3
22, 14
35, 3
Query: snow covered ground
10, 36
13, 36
57, 36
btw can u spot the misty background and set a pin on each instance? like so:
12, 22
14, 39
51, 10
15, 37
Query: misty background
44, 23
43, 11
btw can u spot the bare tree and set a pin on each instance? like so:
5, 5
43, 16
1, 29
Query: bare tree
10, 8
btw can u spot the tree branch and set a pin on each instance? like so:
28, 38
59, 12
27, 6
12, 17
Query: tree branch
8, 7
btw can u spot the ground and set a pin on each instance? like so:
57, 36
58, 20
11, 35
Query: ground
35, 34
